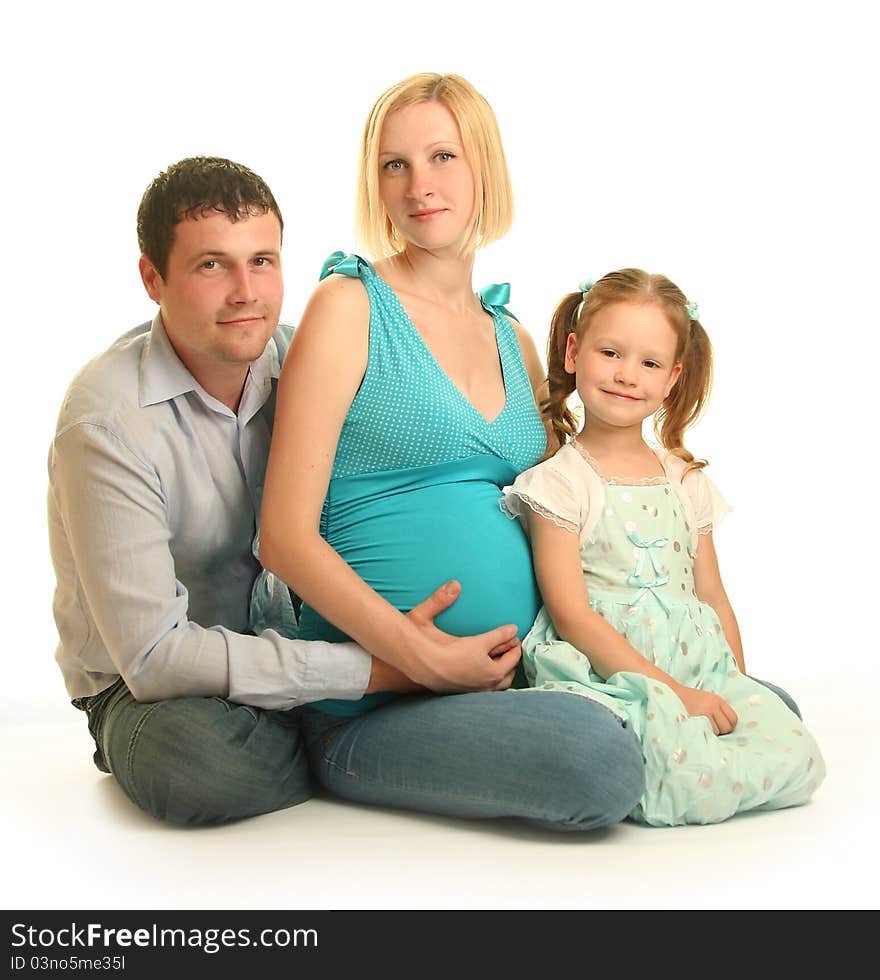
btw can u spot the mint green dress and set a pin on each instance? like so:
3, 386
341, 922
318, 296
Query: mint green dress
413, 495
637, 545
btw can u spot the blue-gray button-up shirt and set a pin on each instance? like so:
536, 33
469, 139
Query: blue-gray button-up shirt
154, 491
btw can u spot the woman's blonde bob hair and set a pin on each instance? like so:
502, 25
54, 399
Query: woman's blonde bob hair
481, 140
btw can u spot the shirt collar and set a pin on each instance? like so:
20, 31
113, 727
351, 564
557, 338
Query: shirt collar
163, 376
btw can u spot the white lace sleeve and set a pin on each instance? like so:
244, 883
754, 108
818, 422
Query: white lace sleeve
545, 490
709, 505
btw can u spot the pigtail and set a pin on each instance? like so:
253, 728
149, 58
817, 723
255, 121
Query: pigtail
560, 383
682, 407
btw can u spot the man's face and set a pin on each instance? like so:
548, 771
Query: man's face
221, 295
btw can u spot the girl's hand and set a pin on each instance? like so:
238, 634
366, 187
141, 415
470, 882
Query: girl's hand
721, 716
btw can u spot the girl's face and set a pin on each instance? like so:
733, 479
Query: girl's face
425, 182
624, 364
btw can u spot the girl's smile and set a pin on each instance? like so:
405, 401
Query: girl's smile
619, 394
624, 364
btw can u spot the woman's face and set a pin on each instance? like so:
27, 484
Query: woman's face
425, 181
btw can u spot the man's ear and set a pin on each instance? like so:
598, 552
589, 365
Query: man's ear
151, 279
673, 377
571, 352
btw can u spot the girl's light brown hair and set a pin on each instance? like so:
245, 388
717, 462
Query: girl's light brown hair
683, 405
481, 140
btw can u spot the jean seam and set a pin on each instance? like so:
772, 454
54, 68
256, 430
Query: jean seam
338, 768
433, 794
445, 794
529, 810
129, 758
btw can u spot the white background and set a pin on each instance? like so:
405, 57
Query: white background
731, 147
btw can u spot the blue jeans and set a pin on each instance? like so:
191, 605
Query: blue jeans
556, 760
199, 761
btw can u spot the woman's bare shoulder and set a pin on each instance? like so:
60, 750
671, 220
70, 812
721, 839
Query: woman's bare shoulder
338, 303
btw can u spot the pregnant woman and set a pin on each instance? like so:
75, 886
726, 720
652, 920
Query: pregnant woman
405, 403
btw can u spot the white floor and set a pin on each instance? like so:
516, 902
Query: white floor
73, 841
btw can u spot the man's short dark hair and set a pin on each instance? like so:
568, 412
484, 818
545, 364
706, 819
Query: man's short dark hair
193, 188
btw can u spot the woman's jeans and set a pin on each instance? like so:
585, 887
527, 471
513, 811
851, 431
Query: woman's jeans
560, 761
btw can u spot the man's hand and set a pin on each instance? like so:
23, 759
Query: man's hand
452, 664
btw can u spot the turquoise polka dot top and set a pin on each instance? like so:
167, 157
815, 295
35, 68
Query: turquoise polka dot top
414, 495
408, 412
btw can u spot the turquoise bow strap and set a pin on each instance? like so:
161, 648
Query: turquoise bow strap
346, 265
330, 264
660, 577
497, 295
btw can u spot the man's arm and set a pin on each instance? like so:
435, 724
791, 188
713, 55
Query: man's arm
121, 603
121, 609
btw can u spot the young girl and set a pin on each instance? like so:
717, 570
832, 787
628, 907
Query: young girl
635, 615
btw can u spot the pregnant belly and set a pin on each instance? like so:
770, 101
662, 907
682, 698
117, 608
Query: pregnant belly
408, 532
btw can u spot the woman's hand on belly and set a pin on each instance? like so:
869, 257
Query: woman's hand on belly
485, 662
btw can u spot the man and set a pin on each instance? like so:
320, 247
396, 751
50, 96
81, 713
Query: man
156, 473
